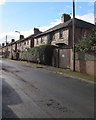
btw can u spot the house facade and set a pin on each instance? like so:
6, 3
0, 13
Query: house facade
62, 34
16, 47
28, 42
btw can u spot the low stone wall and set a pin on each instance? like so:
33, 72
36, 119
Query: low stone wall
85, 63
88, 67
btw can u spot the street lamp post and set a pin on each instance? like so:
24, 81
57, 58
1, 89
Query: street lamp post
20, 45
19, 38
74, 35
17, 32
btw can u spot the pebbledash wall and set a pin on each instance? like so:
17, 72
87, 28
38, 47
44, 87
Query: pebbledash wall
85, 63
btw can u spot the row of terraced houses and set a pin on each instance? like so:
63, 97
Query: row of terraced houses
59, 35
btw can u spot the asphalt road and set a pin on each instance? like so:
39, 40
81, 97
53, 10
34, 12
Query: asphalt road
30, 92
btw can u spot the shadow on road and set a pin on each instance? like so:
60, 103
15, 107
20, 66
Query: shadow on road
9, 97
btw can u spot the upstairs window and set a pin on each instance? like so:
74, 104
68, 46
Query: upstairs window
25, 43
61, 34
53, 37
42, 39
28, 42
37, 41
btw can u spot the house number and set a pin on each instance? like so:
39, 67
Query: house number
62, 55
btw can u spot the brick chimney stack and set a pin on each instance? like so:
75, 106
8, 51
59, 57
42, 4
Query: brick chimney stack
65, 18
12, 40
21, 37
36, 31
6, 43
3, 44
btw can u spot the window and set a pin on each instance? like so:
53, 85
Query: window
53, 37
27, 42
61, 34
37, 41
42, 39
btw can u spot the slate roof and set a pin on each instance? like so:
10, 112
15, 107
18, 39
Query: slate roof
27, 37
78, 23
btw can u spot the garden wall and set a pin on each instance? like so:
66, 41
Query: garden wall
85, 63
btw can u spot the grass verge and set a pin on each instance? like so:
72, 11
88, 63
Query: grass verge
62, 71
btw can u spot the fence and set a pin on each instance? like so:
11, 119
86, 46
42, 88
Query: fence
61, 58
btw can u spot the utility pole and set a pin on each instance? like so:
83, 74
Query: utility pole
74, 35
6, 54
95, 12
6, 39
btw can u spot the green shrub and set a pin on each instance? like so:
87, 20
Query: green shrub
15, 55
87, 44
41, 54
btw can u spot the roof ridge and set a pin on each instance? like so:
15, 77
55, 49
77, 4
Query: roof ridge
84, 21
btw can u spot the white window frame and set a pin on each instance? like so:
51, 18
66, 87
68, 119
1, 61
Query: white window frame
42, 39
37, 42
53, 37
60, 34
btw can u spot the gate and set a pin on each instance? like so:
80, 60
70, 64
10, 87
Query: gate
61, 58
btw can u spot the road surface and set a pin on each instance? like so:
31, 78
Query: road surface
30, 92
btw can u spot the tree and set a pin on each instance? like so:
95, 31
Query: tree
87, 44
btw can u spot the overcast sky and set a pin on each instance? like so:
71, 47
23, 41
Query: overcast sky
24, 16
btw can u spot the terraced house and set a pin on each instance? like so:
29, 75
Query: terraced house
12, 50
3, 49
61, 34
26, 43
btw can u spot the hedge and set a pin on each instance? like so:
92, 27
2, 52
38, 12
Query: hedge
41, 54
85, 56
15, 56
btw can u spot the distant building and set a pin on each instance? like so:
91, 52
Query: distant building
15, 47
